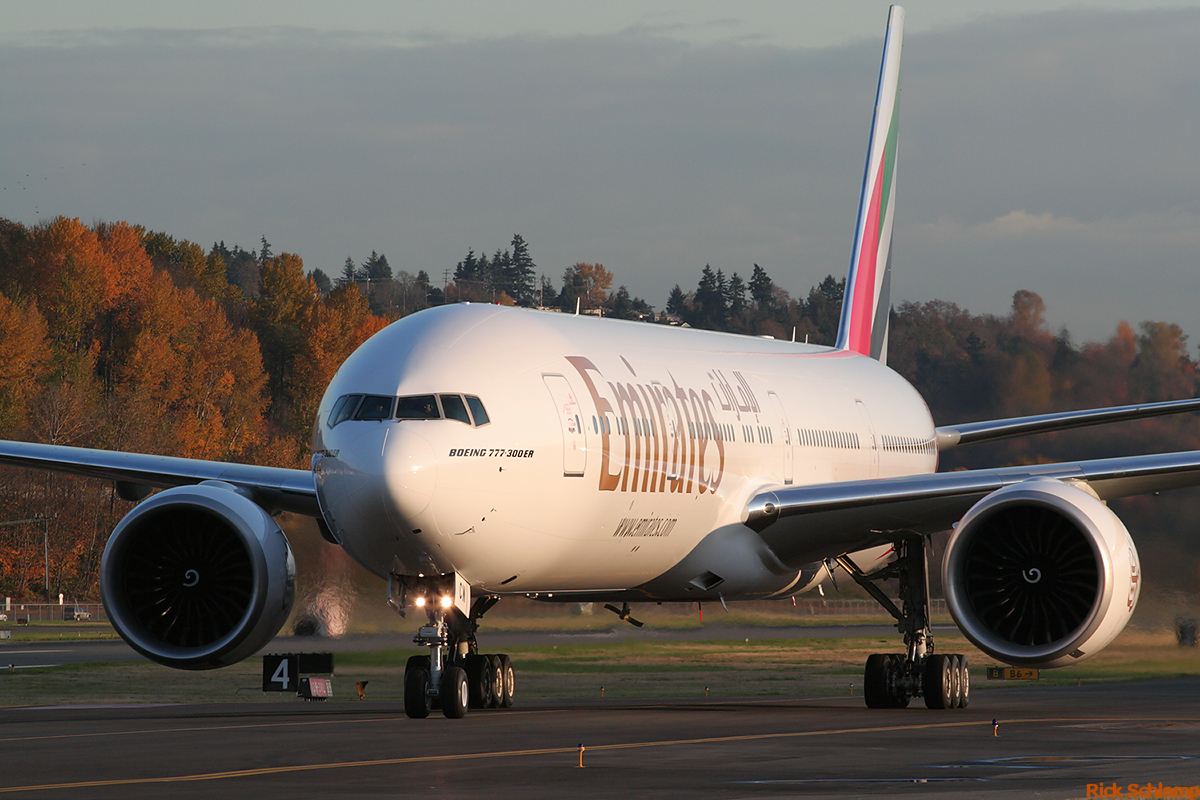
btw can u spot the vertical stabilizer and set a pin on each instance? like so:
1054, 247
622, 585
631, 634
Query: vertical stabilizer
865, 308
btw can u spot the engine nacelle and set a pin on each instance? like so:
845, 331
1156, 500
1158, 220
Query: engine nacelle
1041, 574
198, 577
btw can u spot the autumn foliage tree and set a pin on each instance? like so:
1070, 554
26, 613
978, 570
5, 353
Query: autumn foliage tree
587, 283
117, 338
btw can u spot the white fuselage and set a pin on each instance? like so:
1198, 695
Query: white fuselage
612, 452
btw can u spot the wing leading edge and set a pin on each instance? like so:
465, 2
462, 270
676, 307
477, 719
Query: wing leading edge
949, 436
272, 487
804, 524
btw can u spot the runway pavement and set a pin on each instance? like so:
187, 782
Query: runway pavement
1053, 742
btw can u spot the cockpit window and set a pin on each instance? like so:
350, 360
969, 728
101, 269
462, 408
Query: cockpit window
461, 408
477, 410
343, 409
454, 407
417, 407
375, 407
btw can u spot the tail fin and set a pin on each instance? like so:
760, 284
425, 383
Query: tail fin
867, 301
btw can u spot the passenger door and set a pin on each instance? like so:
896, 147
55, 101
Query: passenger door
570, 420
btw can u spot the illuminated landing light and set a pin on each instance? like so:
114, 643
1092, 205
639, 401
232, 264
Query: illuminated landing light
419, 602
447, 601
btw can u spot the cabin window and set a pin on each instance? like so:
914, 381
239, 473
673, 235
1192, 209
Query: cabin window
343, 409
478, 413
422, 406
375, 407
454, 408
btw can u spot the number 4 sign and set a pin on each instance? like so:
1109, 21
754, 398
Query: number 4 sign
280, 673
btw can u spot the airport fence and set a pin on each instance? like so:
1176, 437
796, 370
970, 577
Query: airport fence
819, 606
28, 613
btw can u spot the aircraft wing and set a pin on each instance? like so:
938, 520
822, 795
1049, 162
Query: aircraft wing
949, 436
809, 523
272, 487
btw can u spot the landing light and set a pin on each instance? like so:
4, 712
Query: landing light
447, 601
419, 602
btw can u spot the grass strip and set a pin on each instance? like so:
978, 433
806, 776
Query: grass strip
627, 669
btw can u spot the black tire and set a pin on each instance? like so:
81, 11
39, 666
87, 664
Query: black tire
875, 682
937, 682
508, 679
480, 680
454, 694
964, 695
416, 662
416, 692
497, 673
954, 694
474, 689
895, 670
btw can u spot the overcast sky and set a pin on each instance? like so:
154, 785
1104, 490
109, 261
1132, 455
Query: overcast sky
1050, 150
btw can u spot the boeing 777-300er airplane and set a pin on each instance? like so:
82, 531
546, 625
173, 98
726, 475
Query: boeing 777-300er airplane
472, 452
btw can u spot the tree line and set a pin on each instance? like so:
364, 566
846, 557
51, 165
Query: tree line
117, 337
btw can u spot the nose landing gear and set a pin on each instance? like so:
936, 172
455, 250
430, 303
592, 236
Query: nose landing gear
455, 676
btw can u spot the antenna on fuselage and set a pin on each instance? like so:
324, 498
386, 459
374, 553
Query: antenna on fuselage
577, 301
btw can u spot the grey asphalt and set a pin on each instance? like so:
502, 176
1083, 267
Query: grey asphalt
1053, 742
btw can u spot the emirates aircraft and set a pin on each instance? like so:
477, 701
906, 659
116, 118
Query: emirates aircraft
470, 452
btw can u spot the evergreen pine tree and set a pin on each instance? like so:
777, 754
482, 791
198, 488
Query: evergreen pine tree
519, 273
349, 272
324, 285
762, 289
496, 278
468, 268
377, 268
677, 303
708, 306
735, 295
549, 297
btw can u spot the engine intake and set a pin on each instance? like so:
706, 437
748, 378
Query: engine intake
1041, 573
198, 577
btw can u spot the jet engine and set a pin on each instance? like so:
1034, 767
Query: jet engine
1041, 574
198, 577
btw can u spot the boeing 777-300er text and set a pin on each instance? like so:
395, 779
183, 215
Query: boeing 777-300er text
471, 452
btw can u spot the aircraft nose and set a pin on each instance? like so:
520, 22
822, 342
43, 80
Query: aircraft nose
380, 477
410, 471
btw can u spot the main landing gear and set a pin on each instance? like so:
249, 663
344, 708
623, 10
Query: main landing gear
890, 680
455, 676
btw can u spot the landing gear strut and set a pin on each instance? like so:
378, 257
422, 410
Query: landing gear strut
455, 676
890, 680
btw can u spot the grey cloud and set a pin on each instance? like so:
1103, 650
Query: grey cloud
1021, 142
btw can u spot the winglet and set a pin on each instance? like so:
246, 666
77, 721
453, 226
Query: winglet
866, 305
